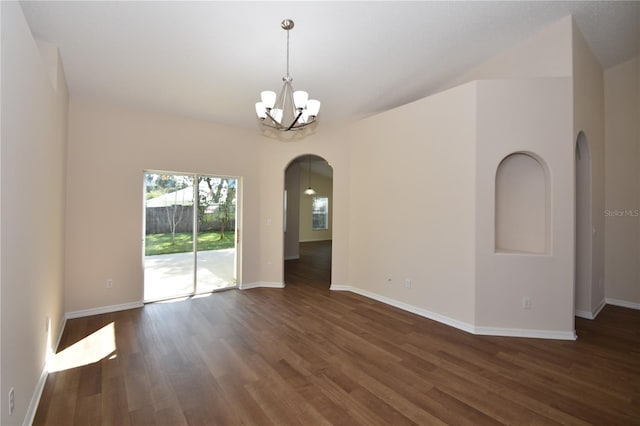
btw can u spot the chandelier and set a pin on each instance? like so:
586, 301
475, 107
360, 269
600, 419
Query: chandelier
289, 110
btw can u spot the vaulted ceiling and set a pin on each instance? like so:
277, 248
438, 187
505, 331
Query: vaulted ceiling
210, 60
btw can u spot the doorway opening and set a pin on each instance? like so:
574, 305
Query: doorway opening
190, 243
584, 233
308, 206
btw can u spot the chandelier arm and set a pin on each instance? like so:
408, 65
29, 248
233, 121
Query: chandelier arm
275, 125
301, 126
295, 121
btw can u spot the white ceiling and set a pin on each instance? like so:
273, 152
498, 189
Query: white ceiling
210, 60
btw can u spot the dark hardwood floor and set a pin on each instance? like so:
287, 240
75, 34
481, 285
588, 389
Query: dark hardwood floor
305, 355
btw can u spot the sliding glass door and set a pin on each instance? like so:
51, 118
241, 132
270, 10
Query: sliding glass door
216, 238
190, 234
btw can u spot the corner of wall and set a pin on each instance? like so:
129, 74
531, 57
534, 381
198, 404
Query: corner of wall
588, 118
34, 132
546, 53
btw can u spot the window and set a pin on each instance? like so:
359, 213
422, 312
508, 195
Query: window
320, 214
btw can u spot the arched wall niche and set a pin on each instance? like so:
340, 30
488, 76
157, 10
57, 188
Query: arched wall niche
522, 205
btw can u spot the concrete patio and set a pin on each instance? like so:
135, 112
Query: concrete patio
171, 275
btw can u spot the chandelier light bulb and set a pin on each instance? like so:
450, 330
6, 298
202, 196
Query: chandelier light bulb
261, 110
268, 98
313, 107
300, 98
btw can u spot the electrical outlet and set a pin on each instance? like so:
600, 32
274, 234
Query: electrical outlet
109, 283
407, 282
526, 302
12, 401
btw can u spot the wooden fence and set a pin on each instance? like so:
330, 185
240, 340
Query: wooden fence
160, 220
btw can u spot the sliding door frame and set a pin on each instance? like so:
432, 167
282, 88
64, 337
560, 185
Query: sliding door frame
196, 201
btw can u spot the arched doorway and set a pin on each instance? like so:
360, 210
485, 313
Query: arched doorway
308, 206
584, 235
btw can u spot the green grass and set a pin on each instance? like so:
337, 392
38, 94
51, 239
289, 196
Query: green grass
163, 244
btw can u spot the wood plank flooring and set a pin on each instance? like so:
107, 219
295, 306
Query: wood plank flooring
305, 355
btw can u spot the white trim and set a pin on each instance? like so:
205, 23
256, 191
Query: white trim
406, 307
593, 313
37, 393
598, 308
103, 310
584, 314
316, 240
340, 287
622, 303
247, 286
460, 325
519, 332
296, 257
35, 399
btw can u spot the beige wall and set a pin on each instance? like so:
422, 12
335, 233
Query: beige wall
413, 217
545, 54
622, 224
292, 233
275, 155
109, 149
530, 116
34, 117
487, 292
588, 117
324, 188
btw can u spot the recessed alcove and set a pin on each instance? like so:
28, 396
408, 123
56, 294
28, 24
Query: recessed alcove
522, 205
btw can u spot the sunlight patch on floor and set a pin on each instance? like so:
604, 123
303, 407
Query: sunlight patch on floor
93, 348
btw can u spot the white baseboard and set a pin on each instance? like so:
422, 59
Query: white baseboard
103, 310
296, 257
406, 307
37, 393
584, 314
531, 334
315, 241
593, 313
340, 287
247, 286
460, 325
35, 399
622, 303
